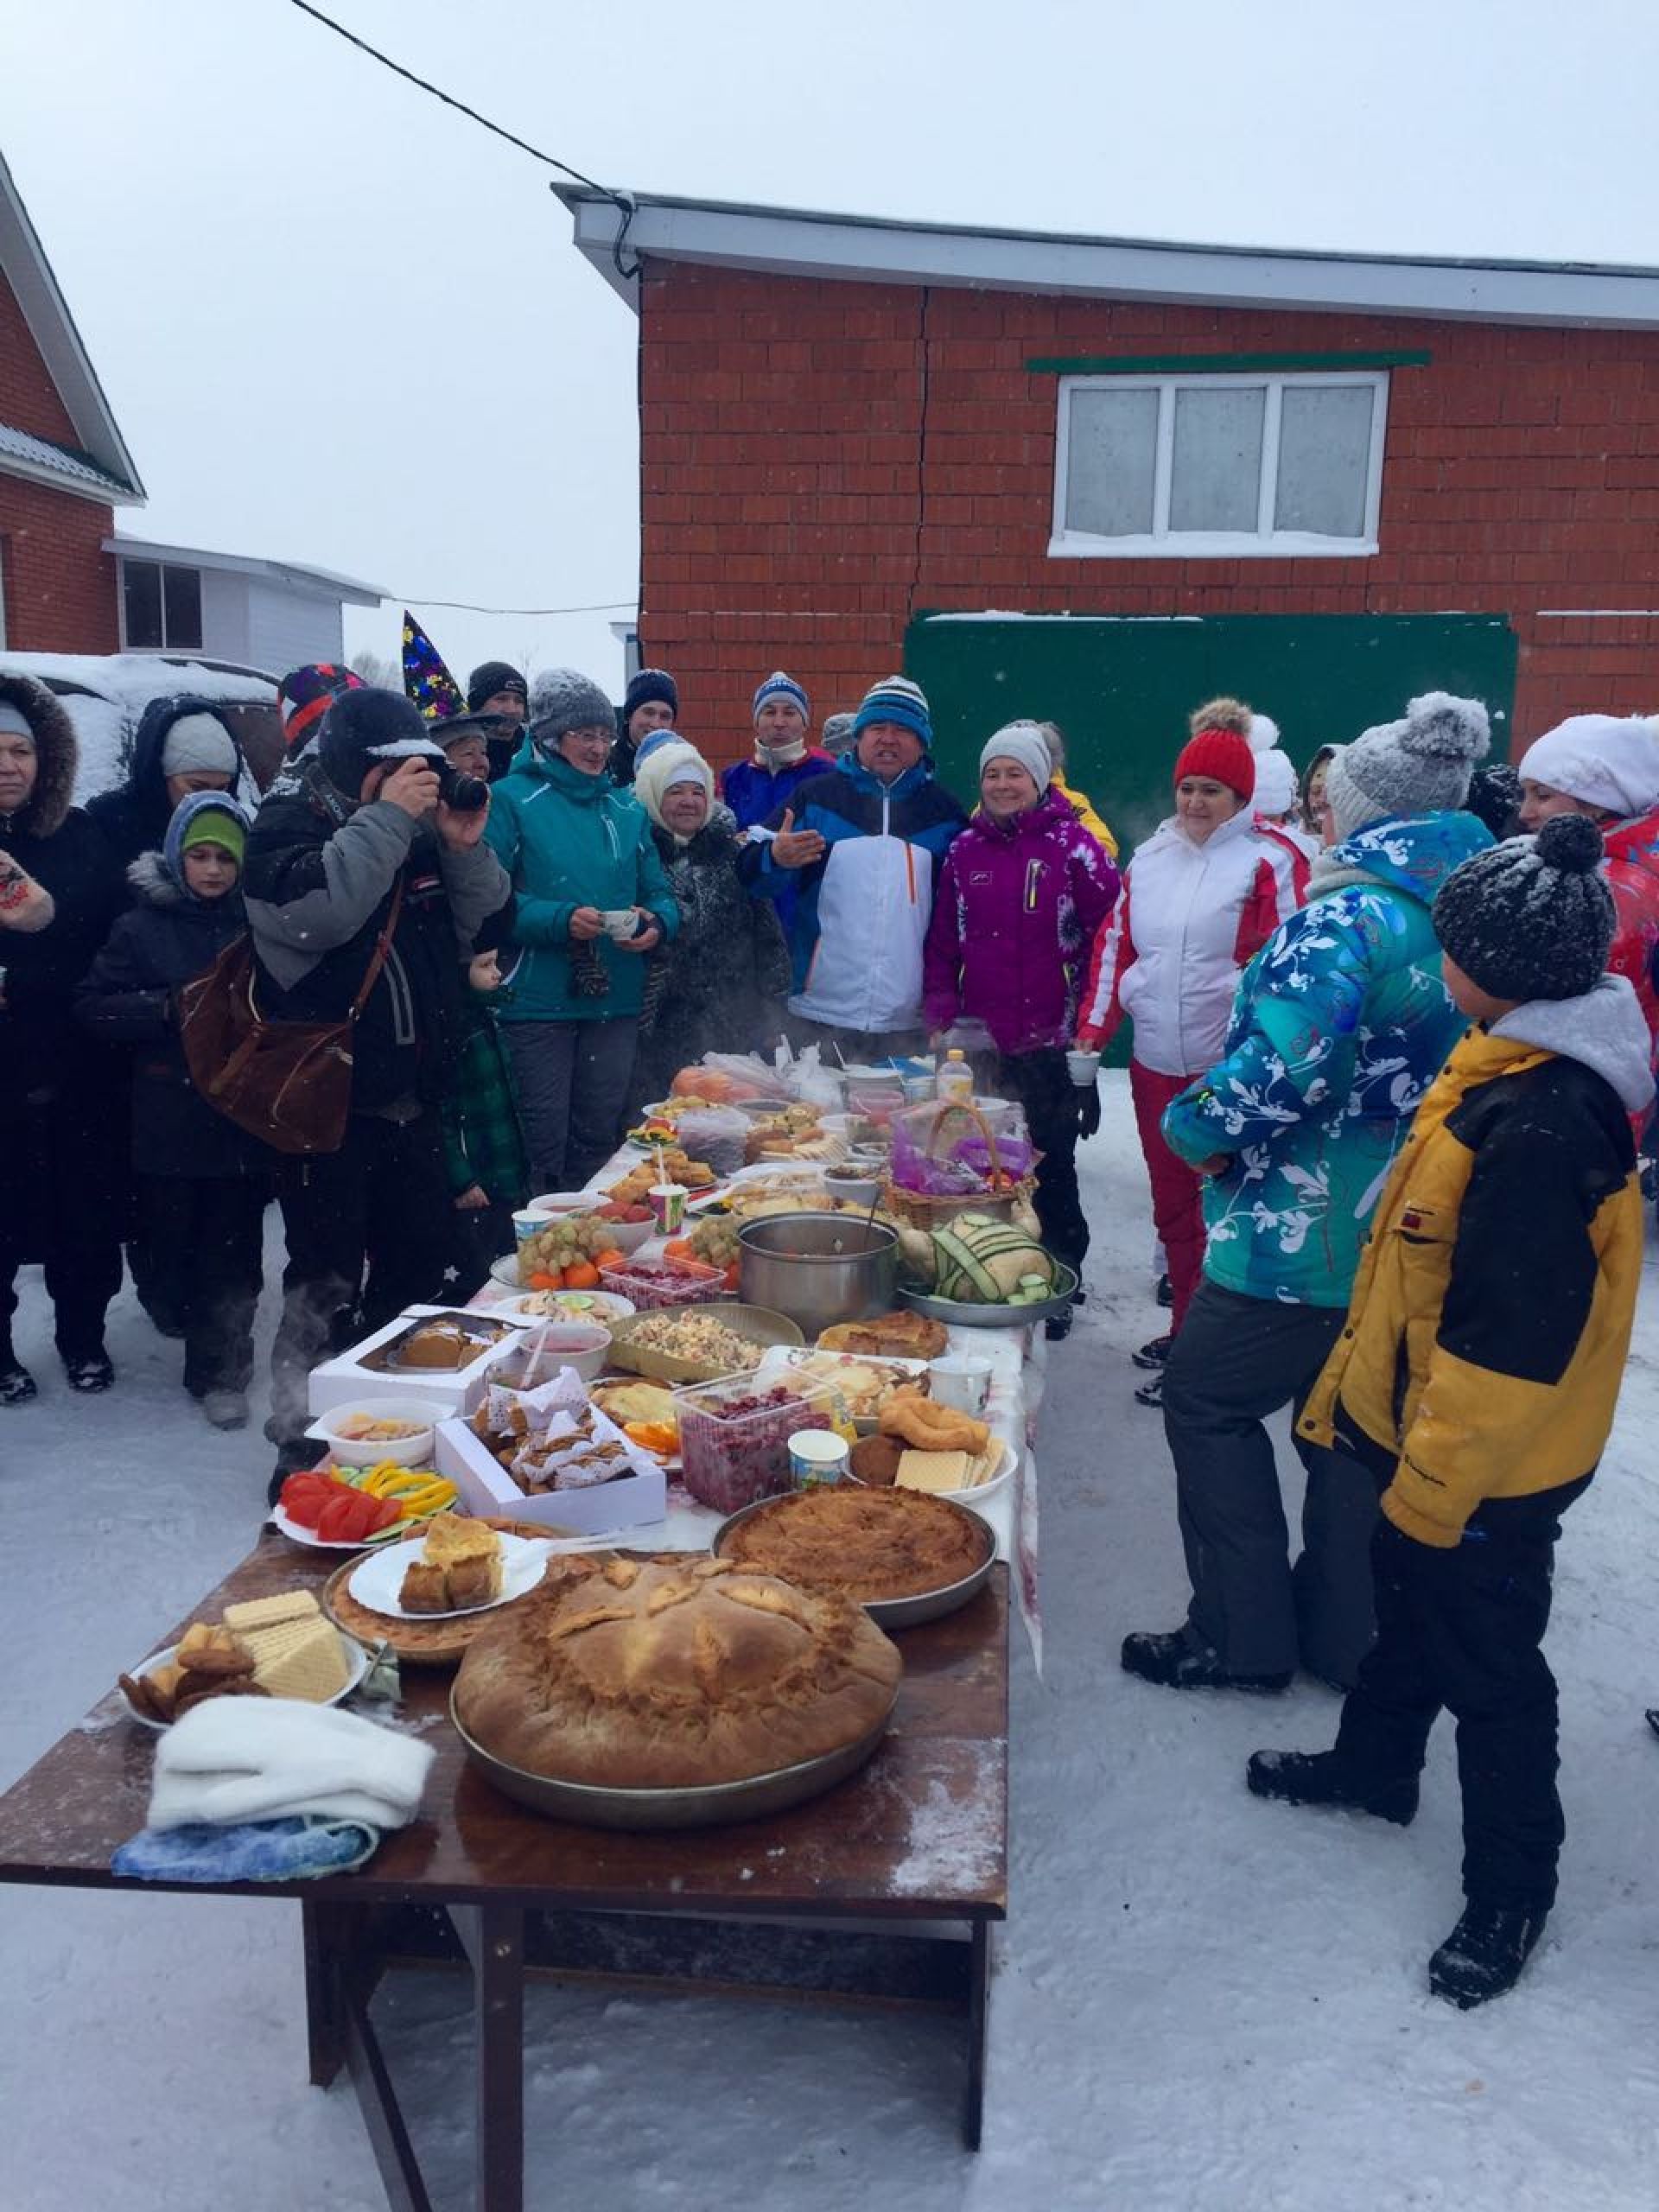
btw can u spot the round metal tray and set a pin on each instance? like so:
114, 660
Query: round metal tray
968, 1315
711, 1807
902, 1613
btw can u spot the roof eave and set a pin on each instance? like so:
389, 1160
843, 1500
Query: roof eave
107, 494
321, 583
53, 328
864, 250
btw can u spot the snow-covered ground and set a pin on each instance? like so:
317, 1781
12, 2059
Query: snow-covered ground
1201, 2000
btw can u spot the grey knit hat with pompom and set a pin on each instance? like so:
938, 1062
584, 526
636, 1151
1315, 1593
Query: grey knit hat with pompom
1531, 918
1420, 766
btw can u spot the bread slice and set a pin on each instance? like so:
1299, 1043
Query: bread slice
473, 1581
451, 1537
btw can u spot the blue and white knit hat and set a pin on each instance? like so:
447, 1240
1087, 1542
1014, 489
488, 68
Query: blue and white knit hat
780, 686
896, 699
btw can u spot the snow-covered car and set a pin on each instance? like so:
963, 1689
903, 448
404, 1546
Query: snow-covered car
105, 695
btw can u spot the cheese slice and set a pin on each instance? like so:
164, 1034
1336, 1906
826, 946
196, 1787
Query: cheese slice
311, 1666
934, 1470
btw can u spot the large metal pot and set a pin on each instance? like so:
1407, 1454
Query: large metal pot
818, 1268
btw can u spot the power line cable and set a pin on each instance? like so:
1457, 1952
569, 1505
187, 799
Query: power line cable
470, 606
621, 199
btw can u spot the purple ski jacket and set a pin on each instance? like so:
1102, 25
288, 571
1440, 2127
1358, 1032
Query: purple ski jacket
1017, 908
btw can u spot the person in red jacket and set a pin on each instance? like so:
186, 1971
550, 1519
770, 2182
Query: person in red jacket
1606, 766
1022, 892
1201, 898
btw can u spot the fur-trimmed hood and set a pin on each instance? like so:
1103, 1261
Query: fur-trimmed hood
152, 885
55, 740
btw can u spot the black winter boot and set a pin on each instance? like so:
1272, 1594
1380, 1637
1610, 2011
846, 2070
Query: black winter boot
17, 1383
1315, 1778
1483, 1955
1175, 1663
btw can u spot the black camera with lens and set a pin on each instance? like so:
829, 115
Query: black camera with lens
466, 794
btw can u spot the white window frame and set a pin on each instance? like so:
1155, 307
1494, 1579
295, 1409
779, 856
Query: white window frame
167, 646
1264, 542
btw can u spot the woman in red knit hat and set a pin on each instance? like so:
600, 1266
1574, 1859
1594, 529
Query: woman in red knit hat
1201, 897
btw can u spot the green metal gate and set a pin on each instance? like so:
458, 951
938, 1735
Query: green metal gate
1121, 687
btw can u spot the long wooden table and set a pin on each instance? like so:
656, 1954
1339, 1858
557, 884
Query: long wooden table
920, 1836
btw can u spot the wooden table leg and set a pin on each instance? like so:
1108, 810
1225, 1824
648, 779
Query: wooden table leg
324, 1935
979, 1973
494, 1939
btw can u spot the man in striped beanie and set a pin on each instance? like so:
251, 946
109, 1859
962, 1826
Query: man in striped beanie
782, 714
861, 847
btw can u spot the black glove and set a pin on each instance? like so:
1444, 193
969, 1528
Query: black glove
1088, 1110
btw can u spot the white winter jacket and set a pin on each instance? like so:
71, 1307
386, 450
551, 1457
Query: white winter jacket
1170, 956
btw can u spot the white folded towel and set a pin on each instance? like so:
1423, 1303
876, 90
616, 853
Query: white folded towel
249, 1759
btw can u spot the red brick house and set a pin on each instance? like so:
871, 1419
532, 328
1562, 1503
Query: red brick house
63, 467
1096, 480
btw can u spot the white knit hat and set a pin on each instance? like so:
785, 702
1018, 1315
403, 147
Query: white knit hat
1022, 741
200, 744
1607, 760
664, 767
1276, 787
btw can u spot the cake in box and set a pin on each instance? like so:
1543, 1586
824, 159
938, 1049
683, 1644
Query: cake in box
430, 1353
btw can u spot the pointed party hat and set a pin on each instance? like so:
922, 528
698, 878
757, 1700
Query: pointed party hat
426, 680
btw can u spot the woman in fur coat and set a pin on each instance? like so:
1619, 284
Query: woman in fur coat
720, 987
61, 888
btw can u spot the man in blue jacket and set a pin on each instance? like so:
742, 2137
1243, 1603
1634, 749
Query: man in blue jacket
863, 842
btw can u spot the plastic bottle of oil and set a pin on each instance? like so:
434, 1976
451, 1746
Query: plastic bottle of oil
955, 1079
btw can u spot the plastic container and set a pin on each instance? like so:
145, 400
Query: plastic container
666, 1282
734, 1437
955, 1079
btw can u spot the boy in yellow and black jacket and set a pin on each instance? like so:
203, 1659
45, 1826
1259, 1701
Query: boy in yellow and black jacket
1477, 1377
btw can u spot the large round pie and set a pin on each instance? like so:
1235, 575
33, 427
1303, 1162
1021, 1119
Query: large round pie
858, 1543
674, 1672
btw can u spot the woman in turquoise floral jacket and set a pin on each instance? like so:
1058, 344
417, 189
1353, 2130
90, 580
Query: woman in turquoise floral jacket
1339, 1027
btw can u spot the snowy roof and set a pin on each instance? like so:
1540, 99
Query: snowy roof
21, 454
868, 249
24, 264
323, 581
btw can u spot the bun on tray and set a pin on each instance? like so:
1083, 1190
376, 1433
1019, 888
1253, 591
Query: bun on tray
673, 1672
903, 1335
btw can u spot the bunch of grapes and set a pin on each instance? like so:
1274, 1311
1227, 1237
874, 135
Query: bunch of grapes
564, 1243
714, 1241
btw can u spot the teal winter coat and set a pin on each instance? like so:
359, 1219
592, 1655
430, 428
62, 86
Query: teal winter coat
1339, 1027
568, 840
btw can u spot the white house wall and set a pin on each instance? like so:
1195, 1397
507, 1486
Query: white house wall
285, 628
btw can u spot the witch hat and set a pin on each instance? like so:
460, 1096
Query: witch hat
426, 680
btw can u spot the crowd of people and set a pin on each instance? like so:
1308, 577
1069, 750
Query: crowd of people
1380, 1011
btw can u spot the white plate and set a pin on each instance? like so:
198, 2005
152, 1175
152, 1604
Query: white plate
601, 1305
375, 1581
357, 1665
1004, 1466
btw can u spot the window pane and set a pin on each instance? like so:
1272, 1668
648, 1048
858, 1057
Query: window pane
182, 590
1217, 472
1325, 453
1112, 452
140, 581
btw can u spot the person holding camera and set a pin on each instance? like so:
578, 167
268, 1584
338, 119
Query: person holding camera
368, 855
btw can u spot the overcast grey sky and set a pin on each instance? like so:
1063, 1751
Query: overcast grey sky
340, 324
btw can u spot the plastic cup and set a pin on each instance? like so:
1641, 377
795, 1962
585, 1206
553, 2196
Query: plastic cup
961, 1381
668, 1207
620, 921
1082, 1067
815, 1456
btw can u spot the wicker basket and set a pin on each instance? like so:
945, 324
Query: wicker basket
924, 1210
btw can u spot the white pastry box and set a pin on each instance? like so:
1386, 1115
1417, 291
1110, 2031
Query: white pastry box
629, 1501
347, 1379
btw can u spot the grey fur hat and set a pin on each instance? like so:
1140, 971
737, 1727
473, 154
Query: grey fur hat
1420, 766
1530, 918
562, 699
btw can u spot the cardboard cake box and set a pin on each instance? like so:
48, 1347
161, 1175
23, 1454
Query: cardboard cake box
345, 1381
627, 1501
